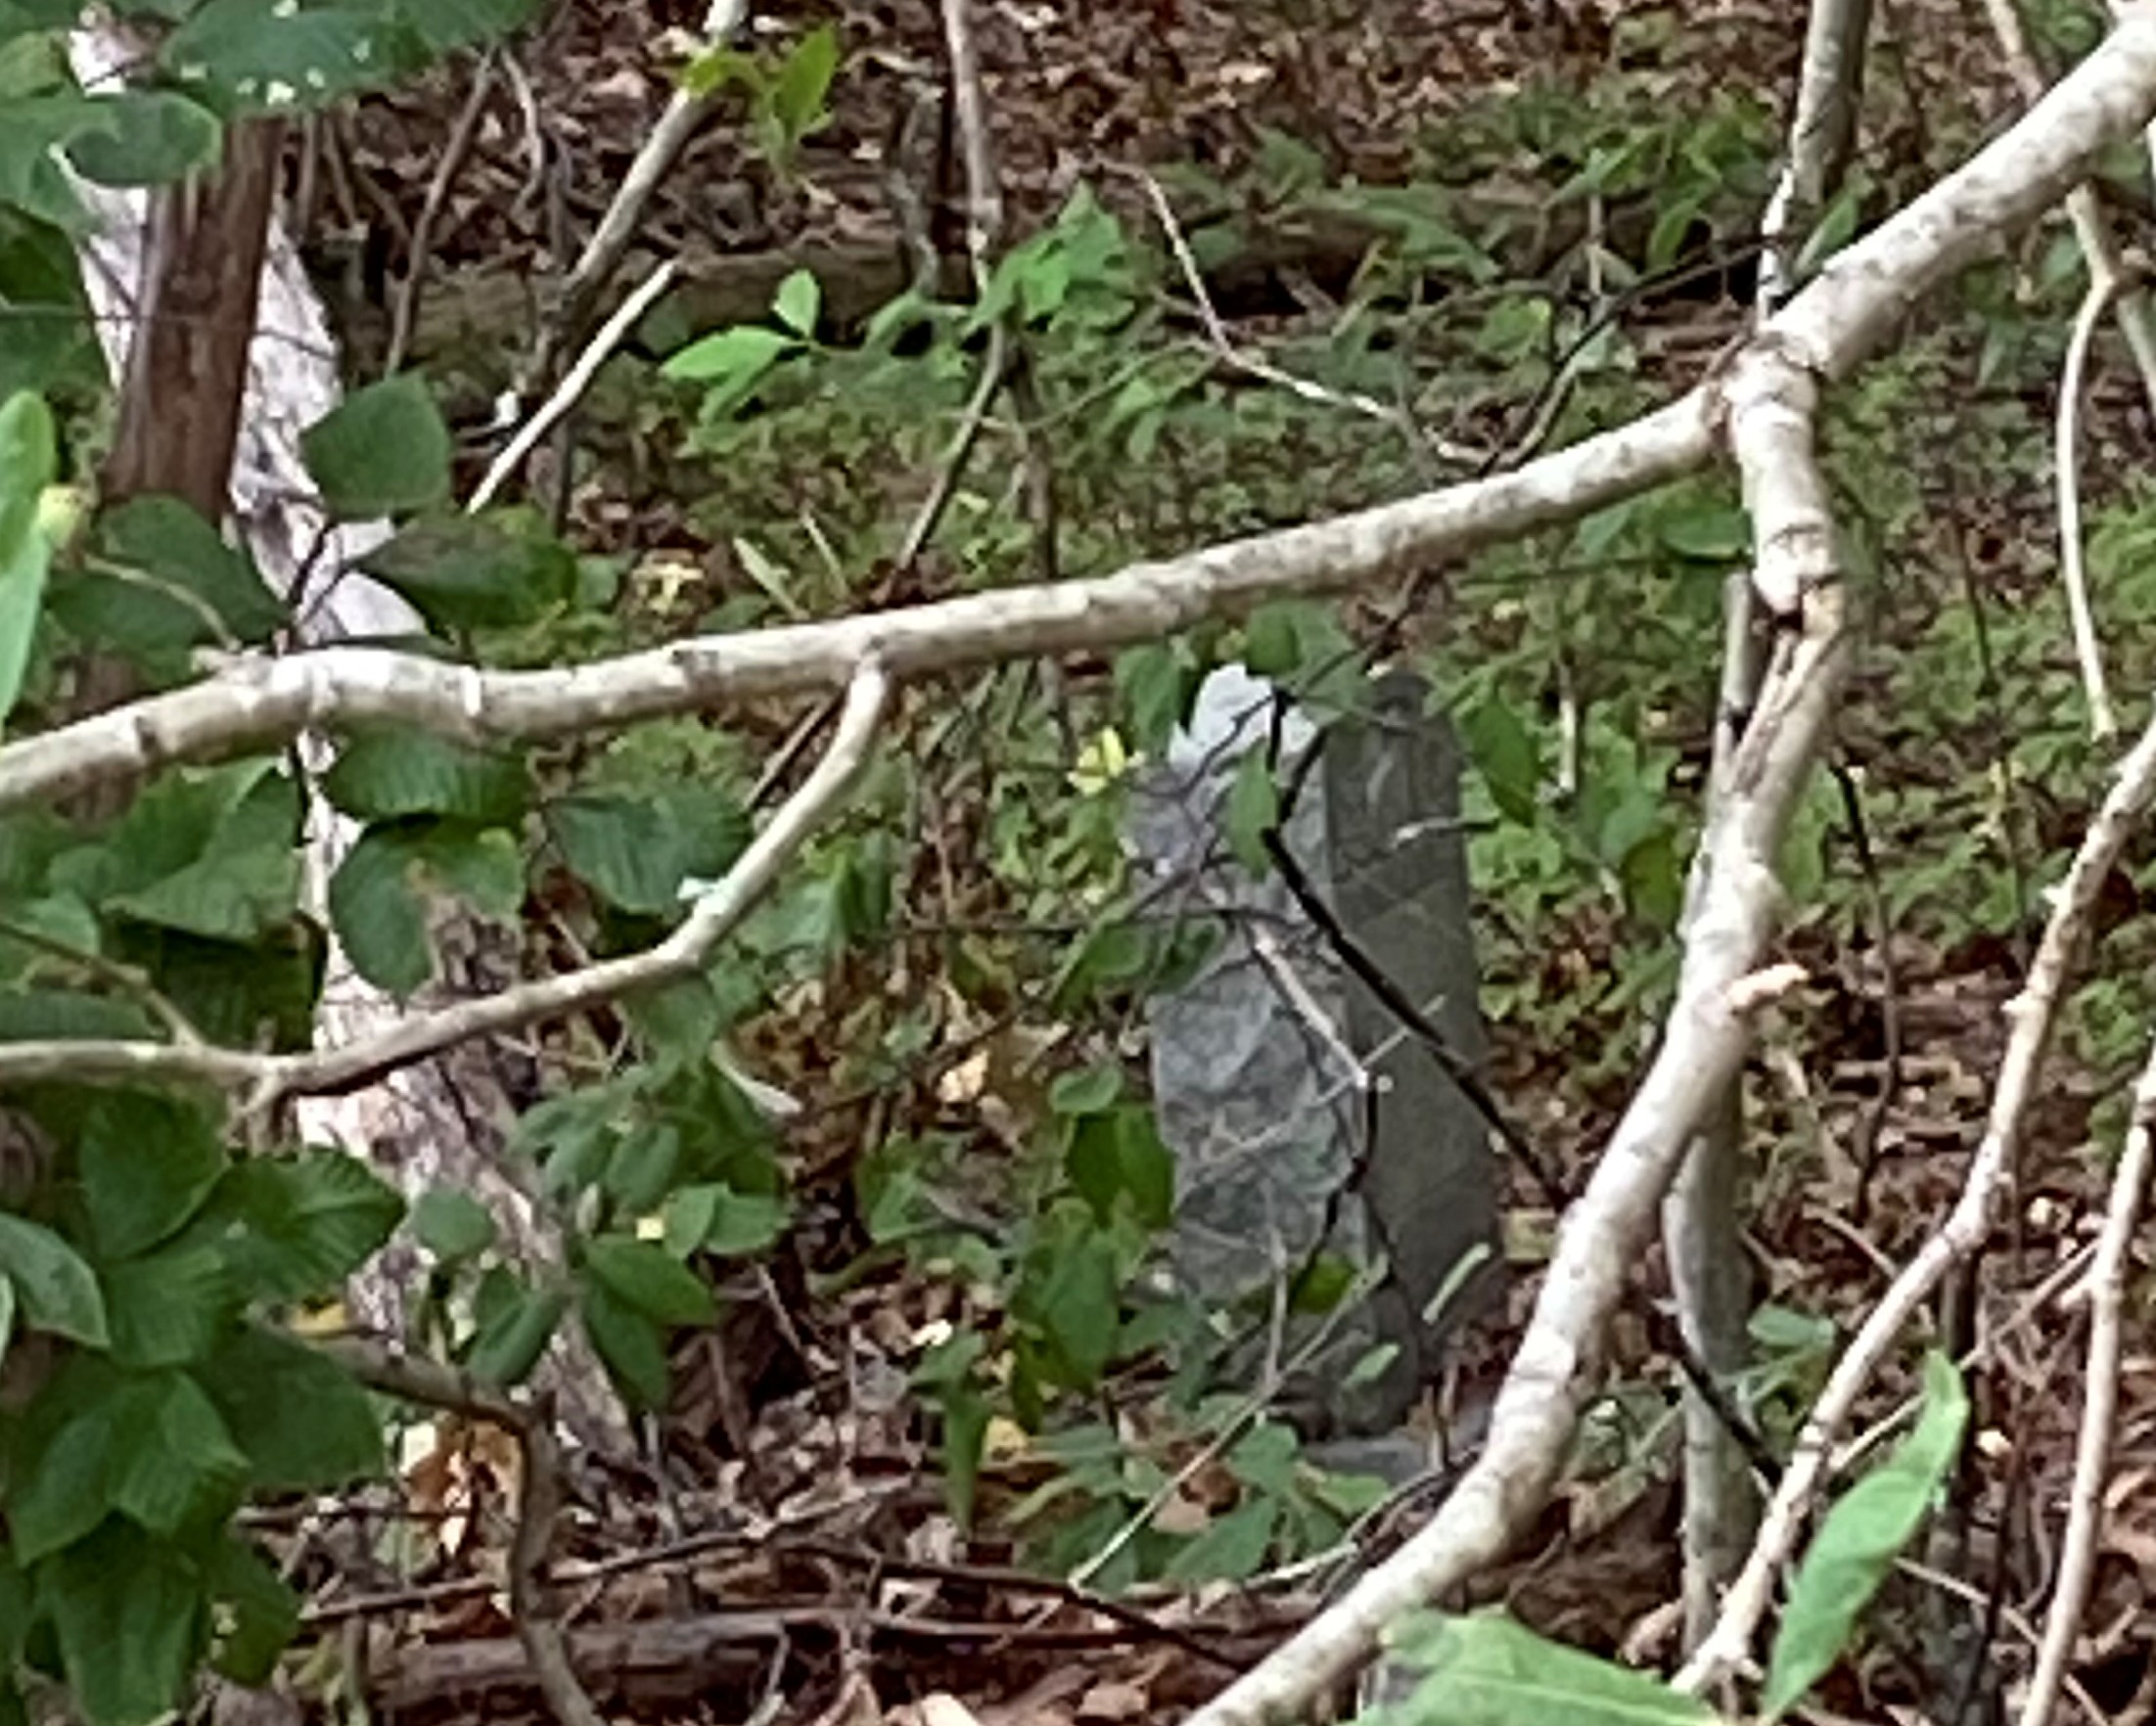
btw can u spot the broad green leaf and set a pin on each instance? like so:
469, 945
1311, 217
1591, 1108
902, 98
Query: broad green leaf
236, 896
499, 570
54, 1290
148, 1161
304, 1425
1487, 1670
647, 1279
28, 452
965, 1438
171, 1459
445, 24
632, 1346
1506, 755
27, 1015
381, 451
256, 1614
803, 81
168, 1308
381, 895
293, 1228
156, 136
60, 1463
1087, 1091
382, 774
796, 303
1231, 1548
1119, 1153
712, 1217
731, 359
642, 1167
1079, 1306
273, 54
163, 582
129, 1615
511, 1339
1863, 1535
636, 853
452, 1225
1154, 685
1708, 531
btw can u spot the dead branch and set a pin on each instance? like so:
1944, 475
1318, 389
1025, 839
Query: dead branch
539, 1632
2106, 1287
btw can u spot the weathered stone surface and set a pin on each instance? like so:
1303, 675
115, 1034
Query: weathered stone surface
1302, 1110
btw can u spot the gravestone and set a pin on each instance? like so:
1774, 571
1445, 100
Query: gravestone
1303, 1112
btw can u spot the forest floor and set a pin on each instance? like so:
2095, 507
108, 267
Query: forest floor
841, 1595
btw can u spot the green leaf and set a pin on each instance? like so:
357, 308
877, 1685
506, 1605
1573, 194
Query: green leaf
54, 1290
128, 1614
1253, 810
642, 1167
178, 586
173, 1460
964, 1440
382, 774
499, 570
1506, 755
1087, 1091
512, 1339
1859, 1540
1231, 1548
256, 1614
154, 136
29, 454
1081, 1308
169, 1307
304, 1425
647, 1279
381, 451
452, 1225
293, 1228
60, 1460
799, 299
148, 1162
1153, 684
803, 81
715, 1218
636, 853
731, 360
380, 894
273, 55
632, 1346
1488, 1671
1119, 1153
1709, 532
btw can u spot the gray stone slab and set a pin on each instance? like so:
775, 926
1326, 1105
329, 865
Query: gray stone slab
1301, 1109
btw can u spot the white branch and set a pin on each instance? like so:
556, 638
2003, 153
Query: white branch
2103, 721
2099, 1409
259, 705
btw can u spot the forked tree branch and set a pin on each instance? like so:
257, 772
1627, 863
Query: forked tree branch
269, 1079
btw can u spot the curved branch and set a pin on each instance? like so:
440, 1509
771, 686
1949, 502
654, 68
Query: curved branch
718, 909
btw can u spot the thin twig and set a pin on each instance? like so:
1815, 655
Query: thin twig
2099, 1410
2103, 721
453, 155
574, 381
